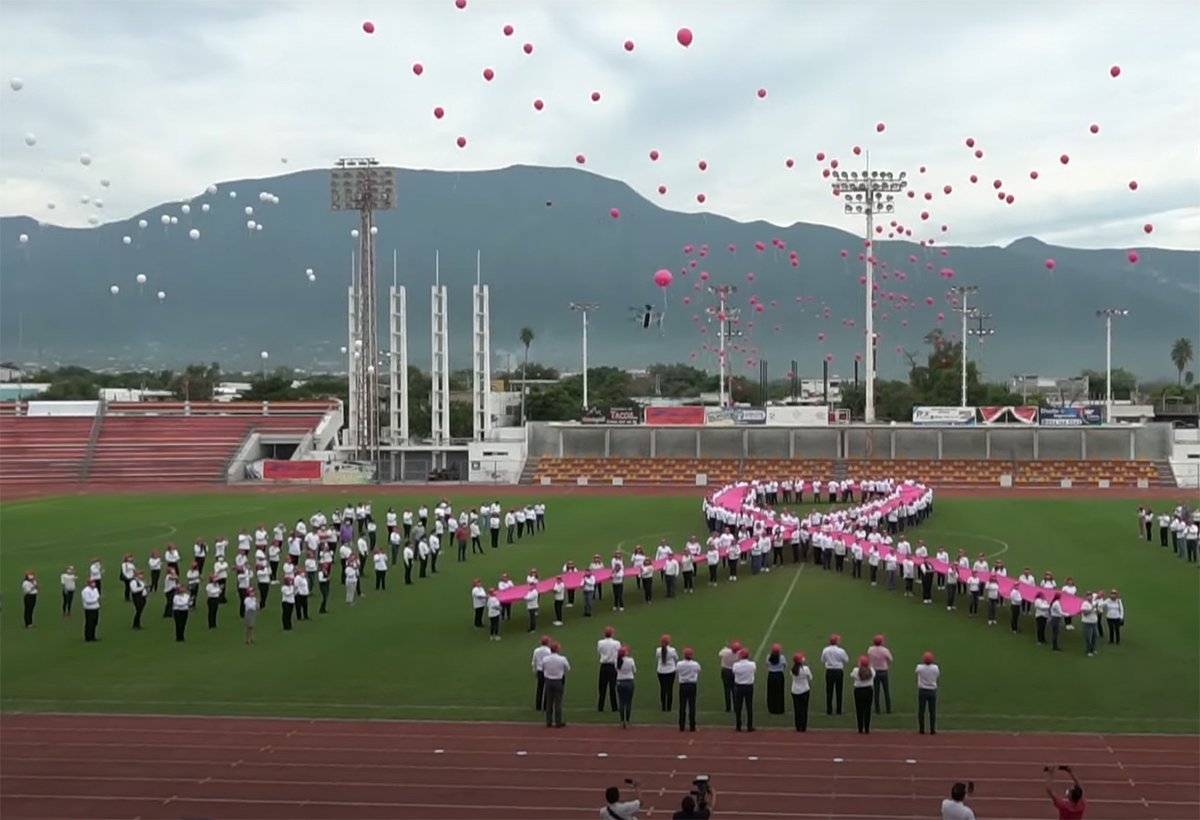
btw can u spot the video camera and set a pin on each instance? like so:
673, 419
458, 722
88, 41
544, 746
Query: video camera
701, 790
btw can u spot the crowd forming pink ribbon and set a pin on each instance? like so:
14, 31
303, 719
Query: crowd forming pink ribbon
733, 498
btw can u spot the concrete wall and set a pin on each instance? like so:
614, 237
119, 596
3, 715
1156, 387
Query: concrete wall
1150, 441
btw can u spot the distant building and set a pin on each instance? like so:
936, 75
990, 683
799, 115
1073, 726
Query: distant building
11, 373
123, 394
1056, 392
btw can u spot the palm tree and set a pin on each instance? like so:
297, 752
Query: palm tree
1181, 356
526, 337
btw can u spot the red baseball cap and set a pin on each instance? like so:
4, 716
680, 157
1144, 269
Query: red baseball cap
927, 657
608, 631
798, 657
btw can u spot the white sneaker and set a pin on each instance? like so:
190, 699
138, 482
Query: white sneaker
556, 623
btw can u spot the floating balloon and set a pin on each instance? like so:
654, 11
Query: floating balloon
488, 74
1049, 264
162, 294
251, 224
538, 105
265, 355
186, 209
879, 127
701, 198
374, 230
204, 207
418, 69
51, 206
16, 83
978, 153
233, 194
85, 159
1148, 228
1133, 257
654, 156
165, 219
762, 93
580, 159
684, 37
1033, 174
211, 189
527, 48
614, 213
629, 45
141, 278
461, 142
128, 240
508, 30
23, 239
194, 233
947, 190
662, 189
663, 278
857, 150
142, 224
789, 162
31, 140
1133, 186
354, 233
702, 165
368, 27
820, 337
1115, 71
114, 290
1064, 159
1095, 129
595, 96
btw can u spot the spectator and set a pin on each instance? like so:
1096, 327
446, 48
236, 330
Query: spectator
1071, 807
617, 809
696, 808
954, 807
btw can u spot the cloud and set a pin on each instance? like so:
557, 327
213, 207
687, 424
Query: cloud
170, 97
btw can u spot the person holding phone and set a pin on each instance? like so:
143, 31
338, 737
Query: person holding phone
1073, 805
617, 809
955, 807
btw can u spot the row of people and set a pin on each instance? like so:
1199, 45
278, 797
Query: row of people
1179, 529
618, 674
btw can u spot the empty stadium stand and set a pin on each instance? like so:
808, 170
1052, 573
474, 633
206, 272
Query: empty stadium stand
42, 450
944, 472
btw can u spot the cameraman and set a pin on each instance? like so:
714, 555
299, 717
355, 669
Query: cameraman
1071, 807
617, 809
954, 808
697, 806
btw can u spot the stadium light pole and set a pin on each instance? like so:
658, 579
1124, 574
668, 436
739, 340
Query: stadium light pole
1107, 314
866, 194
584, 308
964, 292
980, 332
726, 316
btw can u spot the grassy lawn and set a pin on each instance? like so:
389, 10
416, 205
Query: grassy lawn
411, 653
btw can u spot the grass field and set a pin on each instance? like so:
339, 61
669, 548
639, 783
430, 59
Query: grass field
411, 653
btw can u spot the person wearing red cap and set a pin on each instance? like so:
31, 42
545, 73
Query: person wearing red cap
776, 665
881, 661
689, 677
91, 609
801, 690
834, 659
744, 671
539, 655
181, 605
927, 692
666, 660
607, 649
626, 670
863, 678
728, 657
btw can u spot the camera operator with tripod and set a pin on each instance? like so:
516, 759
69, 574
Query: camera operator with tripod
699, 802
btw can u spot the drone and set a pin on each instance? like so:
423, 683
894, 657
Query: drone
647, 316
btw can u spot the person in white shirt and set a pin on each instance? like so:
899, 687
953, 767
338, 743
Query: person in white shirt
181, 604
29, 595
539, 654
68, 580
532, 602
728, 657
1056, 621
351, 582
91, 609
712, 559
801, 690
138, 595
250, 614
618, 809
607, 649
1114, 613
300, 582
688, 670
1089, 617
96, 573
863, 678
1191, 537
155, 565
618, 582
589, 587
626, 670
834, 659
555, 667
493, 614
744, 671
212, 592
380, 560
927, 691
953, 808
666, 659
1016, 604
647, 572
671, 573
1041, 614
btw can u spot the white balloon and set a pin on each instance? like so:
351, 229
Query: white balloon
50, 206
186, 209
16, 83
142, 223
251, 224
283, 160
343, 348
204, 207
258, 227
249, 210
93, 220
23, 239
31, 140
174, 220
374, 230
128, 240
370, 368
104, 183
358, 344
212, 189
354, 234
98, 203
85, 199
264, 355
308, 271
141, 278
165, 219
162, 294
263, 196
194, 233
312, 277
85, 159
233, 194
274, 199
114, 290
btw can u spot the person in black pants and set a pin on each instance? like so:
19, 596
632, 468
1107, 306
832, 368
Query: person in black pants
863, 678
213, 592
834, 659
801, 677
744, 671
689, 675
181, 604
138, 593
29, 588
666, 680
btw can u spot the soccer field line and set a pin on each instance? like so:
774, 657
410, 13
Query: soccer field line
450, 708
1004, 545
170, 529
778, 612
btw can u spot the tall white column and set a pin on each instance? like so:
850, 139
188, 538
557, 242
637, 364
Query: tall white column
398, 363
1108, 401
869, 354
963, 356
439, 372
585, 365
481, 372
352, 354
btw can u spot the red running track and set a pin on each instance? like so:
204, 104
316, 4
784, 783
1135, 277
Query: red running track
120, 766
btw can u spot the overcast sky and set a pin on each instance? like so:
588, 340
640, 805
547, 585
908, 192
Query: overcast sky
168, 97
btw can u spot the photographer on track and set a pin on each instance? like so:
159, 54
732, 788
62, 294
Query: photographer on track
954, 807
618, 809
1071, 807
699, 802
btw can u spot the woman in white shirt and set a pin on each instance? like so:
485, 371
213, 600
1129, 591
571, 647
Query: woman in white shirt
1056, 621
665, 658
1090, 620
181, 603
863, 678
29, 593
1114, 613
1041, 614
927, 691
688, 670
493, 613
287, 596
626, 669
250, 614
801, 689
68, 580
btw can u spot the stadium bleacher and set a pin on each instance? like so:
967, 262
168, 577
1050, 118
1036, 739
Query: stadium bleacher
42, 450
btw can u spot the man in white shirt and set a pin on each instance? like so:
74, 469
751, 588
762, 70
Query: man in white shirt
539, 655
927, 691
744, 670
555, 667
606, 650
689, 676
834, 659
953, 808
617, 809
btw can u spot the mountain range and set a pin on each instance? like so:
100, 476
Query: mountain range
547, 237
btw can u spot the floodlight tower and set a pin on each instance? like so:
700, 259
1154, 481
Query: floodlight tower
726, 318
584, 308
1107, 314
981, 333
481, 370
361, 184
866, 194
964, 292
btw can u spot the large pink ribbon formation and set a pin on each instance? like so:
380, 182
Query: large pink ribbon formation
733, 499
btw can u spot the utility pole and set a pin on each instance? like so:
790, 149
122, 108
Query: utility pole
585, 308
964, 292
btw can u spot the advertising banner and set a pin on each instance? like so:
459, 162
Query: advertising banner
734, 416
612, 415
994, 415
944, 416
1070, 416
675, 415
291, 470
808, 415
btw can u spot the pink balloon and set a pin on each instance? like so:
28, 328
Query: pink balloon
702, 165
820, 337
760, 246
941, 317
929, 301
833, 163
684, 37
1033, 174
595, 96
732, 248
462, 142
921, 169
688, 248
750, 278
1095, 129
527, 48
845, 253
947, 190
762, 93
703, 276
789, 162
857, 150
1115, 71
1133, 186
970, 142
662, 189
488, 74
997, 184
1133, 257
1010, 199
948, 273
368, 27
629, 45
974, 179
662, 277
829, 357
508, 31
858, 357
614, 213
418, 69
1064, 159
924, 214
461, 4
687, 300
580, 159
820, 156
439, 112
879, 127
700, 198
654, 156
1148, 228
538, 105
978, 153
1049, 264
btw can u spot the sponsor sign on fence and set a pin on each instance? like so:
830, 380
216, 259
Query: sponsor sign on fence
675, 415
996, 415
944, 416
734, 416
1070, 416
291, 470
808, 415
612, 415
